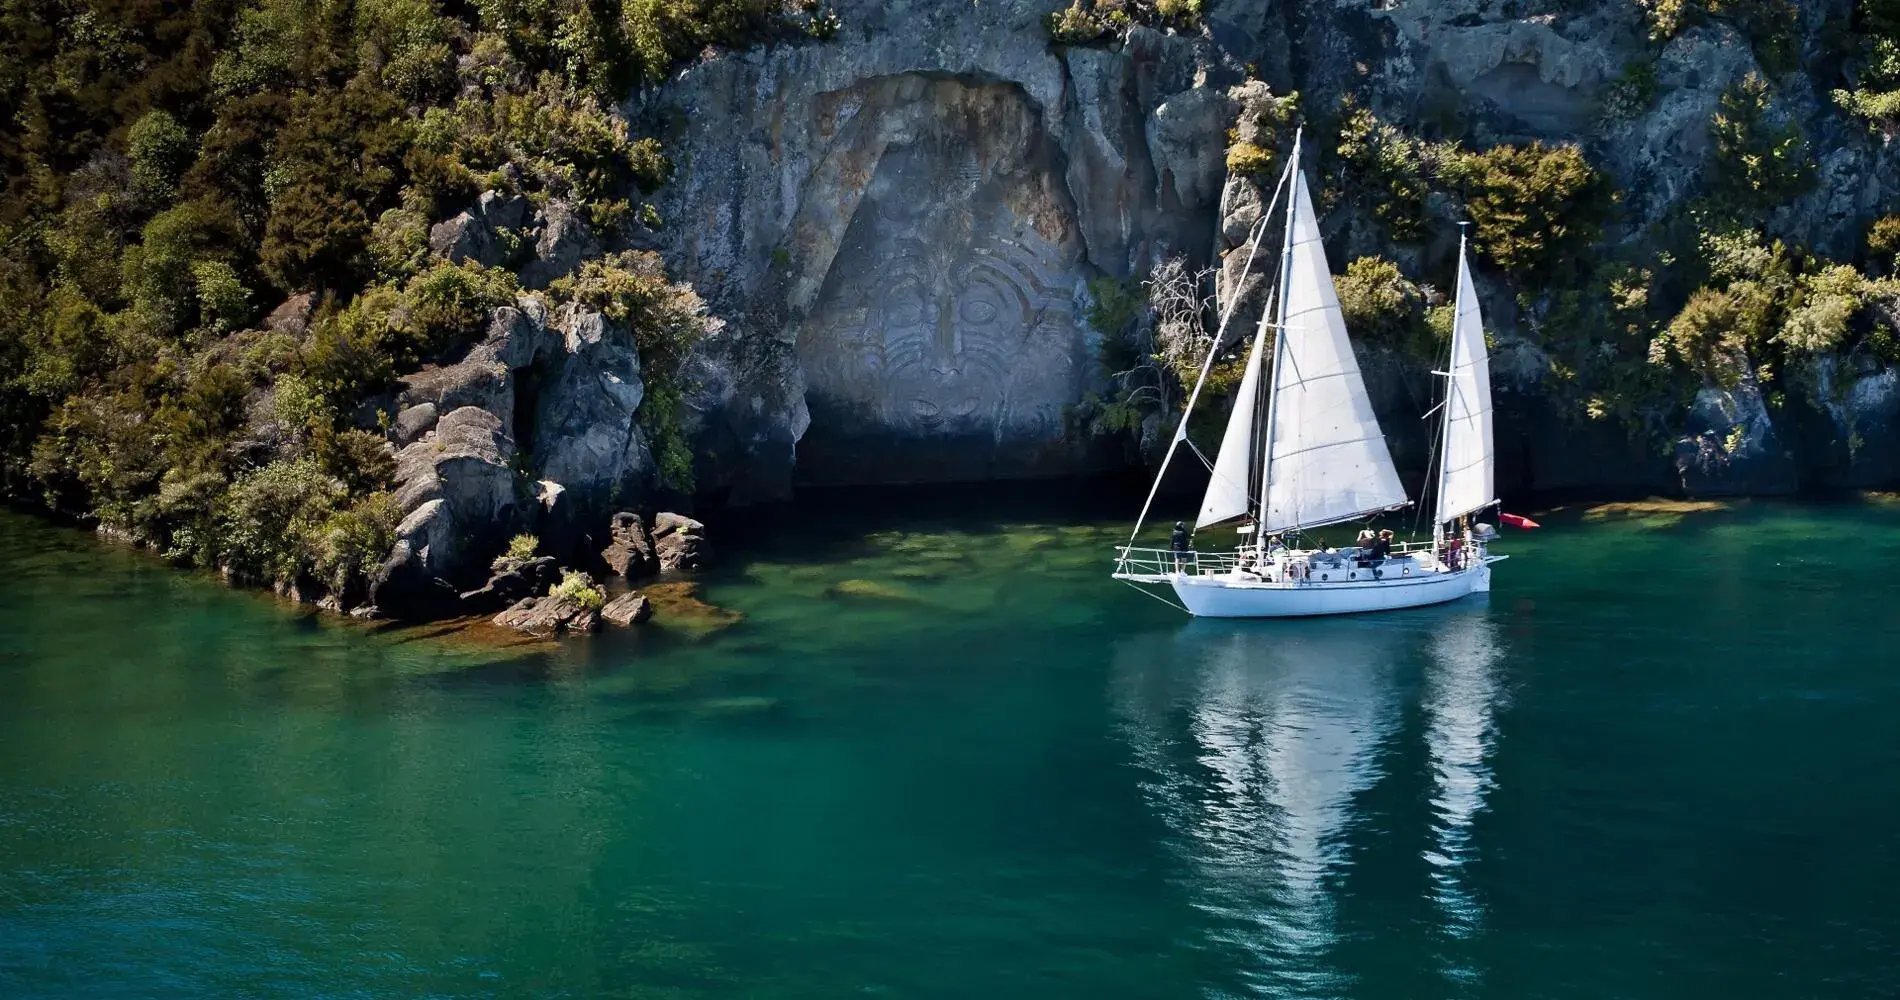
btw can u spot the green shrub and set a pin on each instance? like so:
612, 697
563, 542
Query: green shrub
448, 304
270, 517
523, 547
159, 149
1758, 162
1244, 159
1829, 299
1705, 335
1388, 168
1379, 304
1883, 239
1114, 305
352, 543
1531, 205
579, 588
1077, 25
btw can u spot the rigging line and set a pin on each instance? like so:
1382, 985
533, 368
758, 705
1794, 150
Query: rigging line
1200, 455
1180, 431
1149, 593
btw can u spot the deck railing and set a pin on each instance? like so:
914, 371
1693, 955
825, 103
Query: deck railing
1133, 560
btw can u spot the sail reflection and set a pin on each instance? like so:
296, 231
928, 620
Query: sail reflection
1462, 691
1256, 739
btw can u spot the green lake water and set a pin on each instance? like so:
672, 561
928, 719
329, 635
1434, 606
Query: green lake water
944, 756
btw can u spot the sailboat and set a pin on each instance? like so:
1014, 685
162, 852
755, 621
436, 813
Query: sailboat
1303, 450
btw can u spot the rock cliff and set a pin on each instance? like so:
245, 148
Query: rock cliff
899, 230
900, 224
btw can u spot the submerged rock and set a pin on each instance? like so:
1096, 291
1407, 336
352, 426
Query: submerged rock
876, 590
678, 603
630, 608
549, 616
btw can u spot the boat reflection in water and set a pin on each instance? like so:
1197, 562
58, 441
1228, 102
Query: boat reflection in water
1256, 741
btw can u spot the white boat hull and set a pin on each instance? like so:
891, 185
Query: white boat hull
1238, 596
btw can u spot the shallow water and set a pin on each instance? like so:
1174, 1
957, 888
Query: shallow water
943, 755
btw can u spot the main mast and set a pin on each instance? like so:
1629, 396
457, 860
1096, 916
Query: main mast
1451, 386
1272, 374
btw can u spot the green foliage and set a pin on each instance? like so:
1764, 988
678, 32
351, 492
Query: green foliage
159, 149
579, 588
399, 244
349, 544
1244, 159
1758, 161
1708, 336
1388, 168
1079, 24
1770, 25
1381, 306
1828, 299
1090, 21
271, 517
1113, 306
523, 547
1883, 239
448, 304
1876, 98
1532, 205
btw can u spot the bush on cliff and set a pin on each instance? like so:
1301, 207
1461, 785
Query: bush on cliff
1532, 205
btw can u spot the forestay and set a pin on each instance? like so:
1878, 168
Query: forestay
1227, 495
1465, 482
1328, 459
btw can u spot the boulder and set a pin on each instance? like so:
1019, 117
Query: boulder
628, 609
679, 542
630, 553
292, 316
512, 580
466, 237
549, 616
564, 241
458, 489
502, 211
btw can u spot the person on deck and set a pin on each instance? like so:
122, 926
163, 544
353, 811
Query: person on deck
1382, 549
1181, 542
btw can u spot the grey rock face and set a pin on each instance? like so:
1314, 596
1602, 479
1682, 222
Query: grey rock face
587, 436
562, 241
571, 383
628, 609
898, 228
1733, 447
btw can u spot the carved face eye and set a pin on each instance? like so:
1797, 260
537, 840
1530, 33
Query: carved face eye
904, 305
977, 312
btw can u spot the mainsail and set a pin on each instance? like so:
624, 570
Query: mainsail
1227, 495
1327, 460
1465, 478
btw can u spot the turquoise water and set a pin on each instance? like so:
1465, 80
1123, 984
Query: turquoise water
942, 755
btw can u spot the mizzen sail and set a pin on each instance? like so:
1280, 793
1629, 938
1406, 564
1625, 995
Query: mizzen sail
1327, 459
1465, 478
